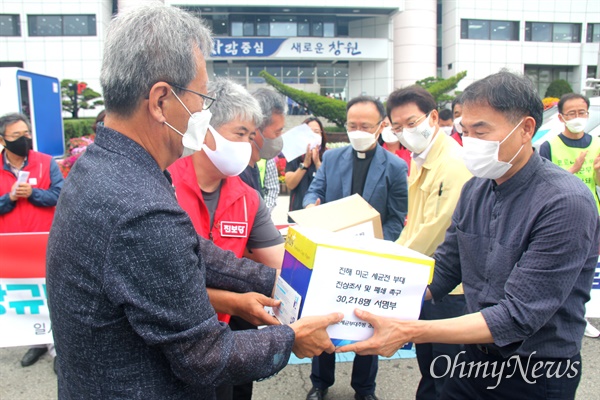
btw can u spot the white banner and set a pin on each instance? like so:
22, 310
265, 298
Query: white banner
592, 308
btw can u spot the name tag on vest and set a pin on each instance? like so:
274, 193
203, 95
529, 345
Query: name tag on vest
234, 229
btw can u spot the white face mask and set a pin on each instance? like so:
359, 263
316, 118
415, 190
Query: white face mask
230, 158
457, 125
481, 156
194, 136
388, 135
576, 125
447, 130
418, 138
361, 141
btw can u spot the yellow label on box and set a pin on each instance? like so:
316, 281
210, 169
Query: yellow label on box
302, 248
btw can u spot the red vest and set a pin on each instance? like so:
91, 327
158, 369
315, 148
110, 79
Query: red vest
26, 217
234, 216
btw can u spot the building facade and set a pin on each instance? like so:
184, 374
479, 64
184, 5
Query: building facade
343, 49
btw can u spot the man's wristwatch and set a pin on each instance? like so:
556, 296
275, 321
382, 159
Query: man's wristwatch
302, 166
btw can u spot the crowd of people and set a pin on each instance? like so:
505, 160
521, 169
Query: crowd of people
163, 255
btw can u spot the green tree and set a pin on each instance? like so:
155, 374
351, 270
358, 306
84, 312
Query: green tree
332, 109
77, 95
439, 87
557, 88
335, 110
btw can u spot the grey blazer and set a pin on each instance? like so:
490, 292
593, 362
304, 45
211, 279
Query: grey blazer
126, 282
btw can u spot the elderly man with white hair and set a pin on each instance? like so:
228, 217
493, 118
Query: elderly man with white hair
126, 270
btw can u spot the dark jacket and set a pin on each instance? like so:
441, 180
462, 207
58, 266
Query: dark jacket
126, 276
386, 187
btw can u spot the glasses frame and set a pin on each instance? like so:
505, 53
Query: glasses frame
410, 125
360, 127
577, 114
12, 137
206, 99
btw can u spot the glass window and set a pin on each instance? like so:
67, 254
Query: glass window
304, 28
248, 28
541, 32
290, 71
342, 27
479, 29
565, 33
45, 25
79, 25
275, 71
262, 27
549, 32
238, 72
306, 74
326, 81
323, 71
317, 29
254, 71
328, 29
593, 33
283, 26
504, 30
62, 25
237, 29
219, 25
10, 25
220, 69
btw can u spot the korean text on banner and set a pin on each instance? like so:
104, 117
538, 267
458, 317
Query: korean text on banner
24, 315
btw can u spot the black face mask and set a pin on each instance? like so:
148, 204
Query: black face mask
19, 147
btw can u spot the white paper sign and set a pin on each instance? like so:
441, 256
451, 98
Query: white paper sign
297, 139
287, 312
21, 178
344, 280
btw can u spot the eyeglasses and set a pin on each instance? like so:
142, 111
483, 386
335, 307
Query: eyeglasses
575, 114
15, 135
207, 101
397, 128
364, 127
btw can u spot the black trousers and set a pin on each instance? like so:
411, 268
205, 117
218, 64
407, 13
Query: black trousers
557, 379
430, 387
364, 372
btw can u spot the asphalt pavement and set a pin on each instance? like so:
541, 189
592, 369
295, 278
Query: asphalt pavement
397, 379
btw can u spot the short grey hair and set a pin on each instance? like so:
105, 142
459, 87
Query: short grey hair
233, 101
271, 103
10, 119
149, 44
513, 95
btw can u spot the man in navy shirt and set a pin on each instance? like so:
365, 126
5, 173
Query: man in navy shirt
524, 241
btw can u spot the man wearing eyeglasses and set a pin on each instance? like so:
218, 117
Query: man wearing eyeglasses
576, 151
126, 270
437, 175
379, 177
26, 204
